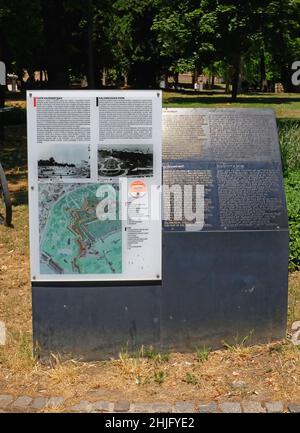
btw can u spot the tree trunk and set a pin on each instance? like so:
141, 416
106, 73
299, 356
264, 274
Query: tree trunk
285, 78
143, 75
91, 60
54, 18
195, 77
263, 76
126, 80
2, 57
176, 80
2, 101
104, 77
2, 96
166, 77
236, 68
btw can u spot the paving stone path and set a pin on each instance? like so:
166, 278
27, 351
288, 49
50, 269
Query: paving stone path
17, 404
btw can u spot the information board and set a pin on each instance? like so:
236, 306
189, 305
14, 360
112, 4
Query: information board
234, 154
94, 185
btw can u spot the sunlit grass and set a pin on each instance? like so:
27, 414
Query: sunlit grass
285, 105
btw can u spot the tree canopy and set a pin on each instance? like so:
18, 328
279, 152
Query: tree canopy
140, 40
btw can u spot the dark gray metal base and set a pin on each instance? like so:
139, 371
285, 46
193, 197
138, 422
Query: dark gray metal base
217, 286
237, 286
93, 322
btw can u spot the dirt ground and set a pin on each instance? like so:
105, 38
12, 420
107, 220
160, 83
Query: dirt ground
269, 372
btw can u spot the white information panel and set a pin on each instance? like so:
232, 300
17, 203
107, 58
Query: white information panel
94, 162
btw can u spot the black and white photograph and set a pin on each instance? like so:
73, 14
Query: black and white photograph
58, 160
125, 160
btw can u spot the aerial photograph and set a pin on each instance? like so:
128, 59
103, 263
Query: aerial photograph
58, 160
72, 239
125, 160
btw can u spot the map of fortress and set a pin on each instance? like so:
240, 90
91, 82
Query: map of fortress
72, 239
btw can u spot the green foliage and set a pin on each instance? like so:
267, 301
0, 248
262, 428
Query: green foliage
292, 188
190, 379
159, 377
279, 348
239, 343
203, 353
289, 135
151, 353
20, 30
174, 27
144, 352
144, 39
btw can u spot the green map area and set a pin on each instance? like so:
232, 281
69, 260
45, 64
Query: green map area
73, 240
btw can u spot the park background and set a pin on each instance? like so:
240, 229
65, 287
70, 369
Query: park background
242, 53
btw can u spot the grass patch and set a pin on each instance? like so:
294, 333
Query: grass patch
190, 378
159, 377
144, 352
202, 353
239, 343
285, 105
151, 353
279, 348
294, 298
17, 355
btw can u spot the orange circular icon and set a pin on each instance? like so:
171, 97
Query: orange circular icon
137, 188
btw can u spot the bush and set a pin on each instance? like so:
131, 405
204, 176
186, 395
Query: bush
289, 136
292, 188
